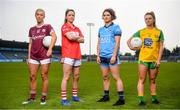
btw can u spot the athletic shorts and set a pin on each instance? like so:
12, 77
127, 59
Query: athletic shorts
45, 61
71, 61
105, 62
151, 65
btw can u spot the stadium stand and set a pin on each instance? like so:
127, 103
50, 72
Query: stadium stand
15, 51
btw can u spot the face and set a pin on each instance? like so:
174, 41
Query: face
107, 17
70, 16
40, 15
149, 20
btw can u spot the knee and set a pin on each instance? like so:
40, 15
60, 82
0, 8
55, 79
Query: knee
76, 77
106, 77
142, 80
152, 80
66, 77
44, 77
32, 77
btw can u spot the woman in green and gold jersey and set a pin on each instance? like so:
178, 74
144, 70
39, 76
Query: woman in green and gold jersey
149, 57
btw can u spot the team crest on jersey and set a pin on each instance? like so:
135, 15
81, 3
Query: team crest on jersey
43, 30
156, 36
148, 42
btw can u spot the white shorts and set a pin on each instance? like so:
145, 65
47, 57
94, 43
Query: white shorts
70, 61
45, 61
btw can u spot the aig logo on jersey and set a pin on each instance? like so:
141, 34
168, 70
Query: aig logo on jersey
148, 42
105, 39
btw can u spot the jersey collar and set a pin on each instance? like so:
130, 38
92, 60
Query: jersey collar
39, 26
109, 25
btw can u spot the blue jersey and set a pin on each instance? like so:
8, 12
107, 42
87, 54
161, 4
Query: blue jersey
107, 39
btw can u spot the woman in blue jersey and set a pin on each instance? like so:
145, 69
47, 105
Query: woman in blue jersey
108, 55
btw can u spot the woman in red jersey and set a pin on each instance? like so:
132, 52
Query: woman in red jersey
71, 55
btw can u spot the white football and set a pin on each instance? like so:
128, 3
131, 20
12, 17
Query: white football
136, 42
47, 41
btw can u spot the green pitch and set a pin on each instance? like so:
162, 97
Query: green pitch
14, 87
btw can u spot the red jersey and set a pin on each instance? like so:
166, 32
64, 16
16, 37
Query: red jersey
37, 33
70, 49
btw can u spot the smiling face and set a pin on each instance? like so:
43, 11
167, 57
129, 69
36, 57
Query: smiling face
40, 15
70, 16
107, 17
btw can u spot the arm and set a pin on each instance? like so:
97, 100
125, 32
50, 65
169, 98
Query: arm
98, 51
161, 49
72, 36
117, 43
129, 44
53, 41
29, 48
80, 40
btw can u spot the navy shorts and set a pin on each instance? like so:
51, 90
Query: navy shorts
105, 62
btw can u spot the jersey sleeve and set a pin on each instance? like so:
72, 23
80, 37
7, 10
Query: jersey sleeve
50, 29
137, 34
30, 33
65, 29
99, 33
117, 31
161, 37
80, 33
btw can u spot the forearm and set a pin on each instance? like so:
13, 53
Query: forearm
29, 48
128, 42
161, 49
98, 49
115, 50
53, 41
71, 36
80, 40
29, 51
117, 42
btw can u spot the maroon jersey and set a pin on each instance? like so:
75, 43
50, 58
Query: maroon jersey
37, 33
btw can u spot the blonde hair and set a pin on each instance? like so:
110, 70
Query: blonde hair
39, 9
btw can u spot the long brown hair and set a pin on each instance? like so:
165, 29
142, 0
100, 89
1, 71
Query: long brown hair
68, 10
153, 15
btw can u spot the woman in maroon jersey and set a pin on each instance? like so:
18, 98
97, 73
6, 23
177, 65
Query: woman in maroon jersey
39, 55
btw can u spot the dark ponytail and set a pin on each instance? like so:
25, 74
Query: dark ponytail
68, 10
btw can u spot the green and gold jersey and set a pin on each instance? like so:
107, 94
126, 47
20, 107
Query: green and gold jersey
150, 43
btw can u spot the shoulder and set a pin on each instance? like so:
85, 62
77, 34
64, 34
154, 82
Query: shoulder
157, 29
101, 28
64, 26
115, 25
47, 25
143, 29
76, 27
33, 27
